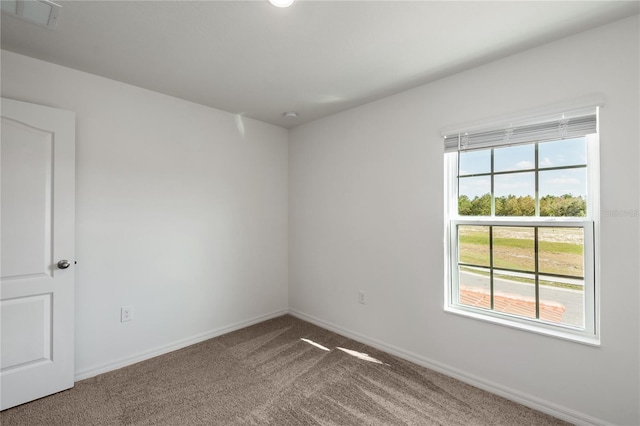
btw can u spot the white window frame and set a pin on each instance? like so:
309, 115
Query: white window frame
590, 334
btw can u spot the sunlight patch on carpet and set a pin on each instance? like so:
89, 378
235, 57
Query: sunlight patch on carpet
317, 345
362, 356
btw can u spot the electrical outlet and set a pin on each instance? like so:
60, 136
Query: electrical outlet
361, 297
126, 313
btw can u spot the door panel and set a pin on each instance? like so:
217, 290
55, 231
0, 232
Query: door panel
26, 331
27, 157
37, 229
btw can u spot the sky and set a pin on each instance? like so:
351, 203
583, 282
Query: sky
552, 182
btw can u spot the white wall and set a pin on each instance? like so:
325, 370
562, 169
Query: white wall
181, 213
366, 212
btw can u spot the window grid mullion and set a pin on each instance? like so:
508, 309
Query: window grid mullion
511, 172
493, 196
546, 274
491, 266
493, 213
536, 270
537, 184
535, 231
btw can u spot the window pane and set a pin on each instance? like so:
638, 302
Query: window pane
570, 152
521, 157
562, 301
515, 194
474, 196
514, 293
561, 251
563, 192
474, 287
475, 162
473, 245
513, 248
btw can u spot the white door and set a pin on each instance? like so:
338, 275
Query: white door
37, 232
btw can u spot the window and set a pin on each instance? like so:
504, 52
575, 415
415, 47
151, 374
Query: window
521, 212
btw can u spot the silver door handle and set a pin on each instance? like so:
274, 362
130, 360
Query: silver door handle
64, 264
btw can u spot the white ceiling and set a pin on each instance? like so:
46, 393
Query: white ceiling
316, 57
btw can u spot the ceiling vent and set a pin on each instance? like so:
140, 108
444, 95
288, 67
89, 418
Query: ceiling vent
40, 12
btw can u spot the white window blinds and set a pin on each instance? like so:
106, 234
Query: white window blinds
566, 125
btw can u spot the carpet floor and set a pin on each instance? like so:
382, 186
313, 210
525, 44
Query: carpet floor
284, 371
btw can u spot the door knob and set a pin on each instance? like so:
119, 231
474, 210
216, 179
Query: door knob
64, 264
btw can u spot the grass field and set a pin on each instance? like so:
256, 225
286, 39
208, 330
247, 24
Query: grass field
560, 249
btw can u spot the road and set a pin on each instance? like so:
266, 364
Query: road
571, 299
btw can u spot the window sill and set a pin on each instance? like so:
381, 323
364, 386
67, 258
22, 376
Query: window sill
525, 325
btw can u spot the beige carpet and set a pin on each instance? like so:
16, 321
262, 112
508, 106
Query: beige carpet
267, 375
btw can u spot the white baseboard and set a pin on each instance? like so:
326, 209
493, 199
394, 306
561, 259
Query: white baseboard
179, 344
530, 401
